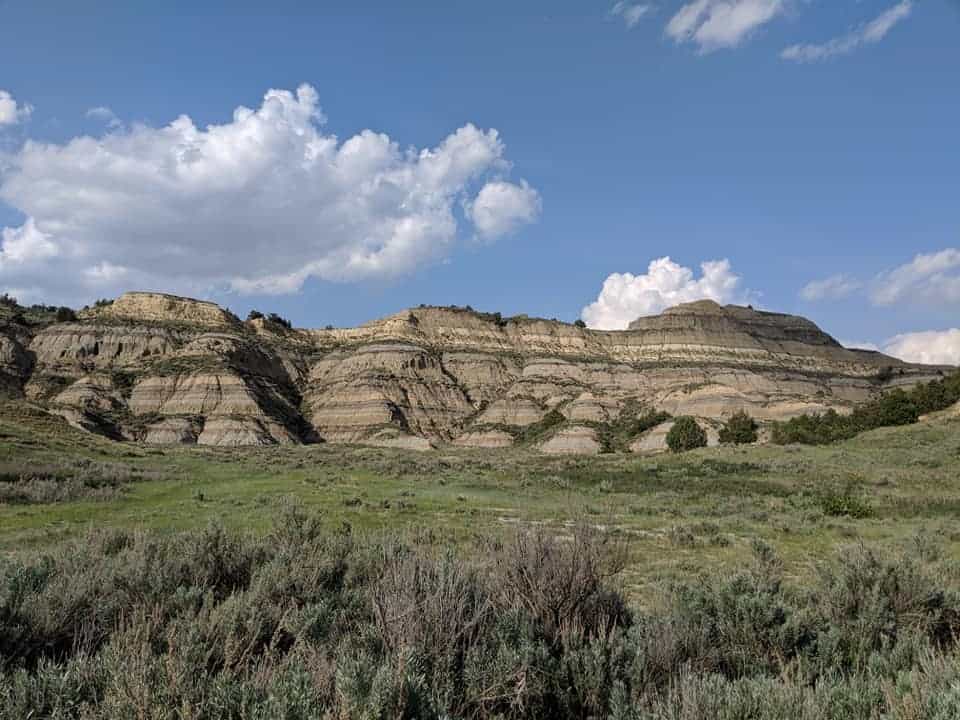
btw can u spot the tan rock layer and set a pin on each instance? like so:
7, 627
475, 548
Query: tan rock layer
159, 307
691, 334
428, 375
575, 440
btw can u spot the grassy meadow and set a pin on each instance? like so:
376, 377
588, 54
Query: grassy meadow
678, 515
760, 583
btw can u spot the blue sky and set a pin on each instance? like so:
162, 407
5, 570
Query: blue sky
625, 133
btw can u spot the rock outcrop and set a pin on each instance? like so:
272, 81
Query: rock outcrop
15, 361
484, 439
573, 440
171, 431
167, 370
162, 308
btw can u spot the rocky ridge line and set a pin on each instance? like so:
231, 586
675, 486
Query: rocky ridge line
164, 369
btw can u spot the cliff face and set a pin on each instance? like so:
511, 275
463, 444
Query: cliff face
161, 369
158, 307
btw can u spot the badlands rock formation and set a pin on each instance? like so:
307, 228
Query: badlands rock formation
161, 369
157, 307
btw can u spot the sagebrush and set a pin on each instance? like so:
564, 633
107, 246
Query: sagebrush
309, 622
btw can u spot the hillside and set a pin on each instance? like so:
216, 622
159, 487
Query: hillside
168, 370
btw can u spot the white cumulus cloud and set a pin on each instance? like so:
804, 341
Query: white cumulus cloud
932, 347
625, 297
502, 207
868, 34
256, 204
717, 24
930, 278
12, 112
834, 287
25, 245
631, 13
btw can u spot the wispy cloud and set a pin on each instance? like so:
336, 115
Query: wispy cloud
868, 34
718, 24
931, 347
931, 278
928, 279
631, 13
834, 287
107, 115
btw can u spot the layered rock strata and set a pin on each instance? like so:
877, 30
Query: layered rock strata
168, 370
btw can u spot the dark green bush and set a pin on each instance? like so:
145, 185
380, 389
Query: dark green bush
65, 314
815, 429
542, 428
891, 409
740, 429
897, 407
279, 320
845, 504
616, 436
686, 434
937, 395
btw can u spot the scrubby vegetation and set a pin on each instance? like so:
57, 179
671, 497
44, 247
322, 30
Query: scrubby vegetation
65, 314
280, 320
98, 304
686, 434
36, 314
309, 623
845, 504
540, 430
739, 429
271, 317
611, 586
81, 479
616, 436
897, 407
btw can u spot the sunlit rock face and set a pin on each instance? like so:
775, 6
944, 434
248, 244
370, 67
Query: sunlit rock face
166, 370
158, 307
573, 440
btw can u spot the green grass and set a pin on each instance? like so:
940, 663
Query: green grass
679, 514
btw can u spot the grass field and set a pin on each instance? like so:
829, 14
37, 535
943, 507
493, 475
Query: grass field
678, 515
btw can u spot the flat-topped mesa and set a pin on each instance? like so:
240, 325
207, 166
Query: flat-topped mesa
697, 333
160, 307
729, 324
705, 323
